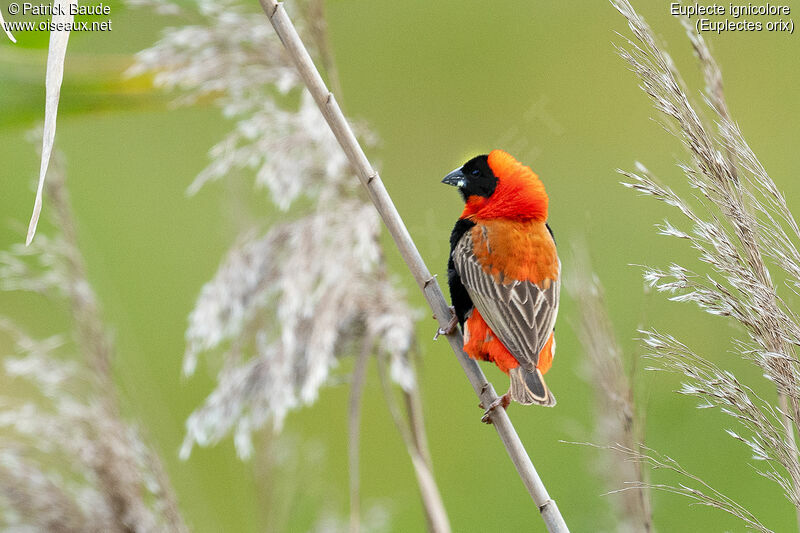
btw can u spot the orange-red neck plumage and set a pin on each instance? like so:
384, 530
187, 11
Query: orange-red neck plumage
519, 194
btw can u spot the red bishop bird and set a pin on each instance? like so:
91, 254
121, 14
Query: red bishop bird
504, 274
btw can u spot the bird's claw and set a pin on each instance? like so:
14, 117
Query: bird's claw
502, 401
451, 326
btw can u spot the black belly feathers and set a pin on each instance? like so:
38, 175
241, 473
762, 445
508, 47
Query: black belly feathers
462, 303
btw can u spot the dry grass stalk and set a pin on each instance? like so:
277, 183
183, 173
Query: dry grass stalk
354, 433
617, 423
372, 182
741, 226
420, 458
285, 463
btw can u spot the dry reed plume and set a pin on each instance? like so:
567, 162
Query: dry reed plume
290, 302
741, 227
68, 460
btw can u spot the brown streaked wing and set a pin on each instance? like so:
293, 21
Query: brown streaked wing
521, 313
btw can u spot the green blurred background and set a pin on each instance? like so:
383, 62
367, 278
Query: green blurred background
439, 82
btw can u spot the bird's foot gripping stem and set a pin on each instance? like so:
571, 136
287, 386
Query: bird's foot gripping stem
502, 401
451, 326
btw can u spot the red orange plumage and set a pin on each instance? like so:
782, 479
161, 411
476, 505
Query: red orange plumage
504, 272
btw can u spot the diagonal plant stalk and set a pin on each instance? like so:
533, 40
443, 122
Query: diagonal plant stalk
412, 432
431, 498
416, 422
433, 294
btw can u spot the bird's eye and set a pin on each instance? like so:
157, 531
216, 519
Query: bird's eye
475, 172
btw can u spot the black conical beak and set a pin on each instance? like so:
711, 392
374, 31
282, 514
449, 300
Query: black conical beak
456, 178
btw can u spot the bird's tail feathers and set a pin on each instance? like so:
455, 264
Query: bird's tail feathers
529, 387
